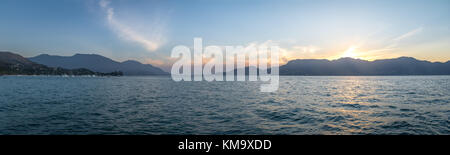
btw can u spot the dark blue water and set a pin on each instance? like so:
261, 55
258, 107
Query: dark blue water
157, 105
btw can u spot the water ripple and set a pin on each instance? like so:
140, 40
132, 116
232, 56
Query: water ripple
157, 105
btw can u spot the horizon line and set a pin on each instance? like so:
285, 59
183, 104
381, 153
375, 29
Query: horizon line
329, 59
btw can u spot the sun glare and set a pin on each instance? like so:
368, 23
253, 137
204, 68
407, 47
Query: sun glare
350, 52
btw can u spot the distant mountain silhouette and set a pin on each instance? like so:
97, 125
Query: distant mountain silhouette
350, 66
14, 64
98, 63
343, 66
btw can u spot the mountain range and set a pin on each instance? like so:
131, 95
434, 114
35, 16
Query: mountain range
354, 67
14, 64
351, 66
11, 63
97, 63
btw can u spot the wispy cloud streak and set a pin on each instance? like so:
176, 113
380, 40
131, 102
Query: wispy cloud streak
127, 32
396, 40
409, 34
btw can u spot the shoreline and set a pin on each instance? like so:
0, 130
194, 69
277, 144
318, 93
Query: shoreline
235, 76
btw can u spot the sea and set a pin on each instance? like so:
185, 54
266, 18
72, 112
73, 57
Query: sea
157, 105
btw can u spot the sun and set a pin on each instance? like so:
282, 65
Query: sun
350, 52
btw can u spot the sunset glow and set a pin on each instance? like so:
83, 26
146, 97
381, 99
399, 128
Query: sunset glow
146, 31
350, 52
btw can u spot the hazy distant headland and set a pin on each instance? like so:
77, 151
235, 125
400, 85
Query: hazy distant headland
92, 64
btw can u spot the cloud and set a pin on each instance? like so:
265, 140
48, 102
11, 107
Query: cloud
306, 49
127, 32
393, 45
155, 62
409, 34
287, 53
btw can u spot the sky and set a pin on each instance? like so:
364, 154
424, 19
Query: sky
147, 30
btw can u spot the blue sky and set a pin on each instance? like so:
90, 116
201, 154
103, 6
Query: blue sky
147, 30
